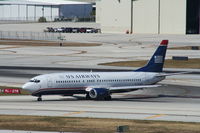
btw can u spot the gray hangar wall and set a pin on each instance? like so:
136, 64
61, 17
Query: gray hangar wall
143, 16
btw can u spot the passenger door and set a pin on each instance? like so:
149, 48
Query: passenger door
49, 82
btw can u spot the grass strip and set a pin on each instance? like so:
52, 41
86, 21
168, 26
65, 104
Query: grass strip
90, 125
191, 63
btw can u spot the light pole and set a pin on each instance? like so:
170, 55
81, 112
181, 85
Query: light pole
131, 31
43, 11
158, 16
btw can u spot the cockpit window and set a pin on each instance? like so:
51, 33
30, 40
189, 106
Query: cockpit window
37, 81
34, 80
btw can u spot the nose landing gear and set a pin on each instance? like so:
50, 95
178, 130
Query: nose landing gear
39, 98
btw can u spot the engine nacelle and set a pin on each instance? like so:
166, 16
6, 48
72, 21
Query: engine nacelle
99, 93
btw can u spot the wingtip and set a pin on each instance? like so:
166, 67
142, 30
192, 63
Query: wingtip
164, 42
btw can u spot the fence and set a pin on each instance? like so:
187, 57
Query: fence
30, 35
48, 18
26, 19
75, 19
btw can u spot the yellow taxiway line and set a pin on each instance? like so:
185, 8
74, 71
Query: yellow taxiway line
155, 116
74, 113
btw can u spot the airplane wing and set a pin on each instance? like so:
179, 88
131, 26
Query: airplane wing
122, 88
133, 87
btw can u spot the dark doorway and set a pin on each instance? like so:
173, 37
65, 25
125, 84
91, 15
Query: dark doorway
193, 16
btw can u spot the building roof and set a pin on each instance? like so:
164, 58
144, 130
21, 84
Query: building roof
21, 2
58, 1
39, 2
90, 1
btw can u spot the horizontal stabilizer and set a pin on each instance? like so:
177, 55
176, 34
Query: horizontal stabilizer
170, 74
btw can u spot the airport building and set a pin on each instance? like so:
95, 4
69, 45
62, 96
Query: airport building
32, 10
149, 16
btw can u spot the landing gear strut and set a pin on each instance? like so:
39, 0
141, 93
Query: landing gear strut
39, 98
88, 96
108, 98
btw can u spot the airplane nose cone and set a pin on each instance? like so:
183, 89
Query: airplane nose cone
25, 87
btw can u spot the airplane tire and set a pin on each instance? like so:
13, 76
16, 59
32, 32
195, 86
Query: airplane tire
39, 99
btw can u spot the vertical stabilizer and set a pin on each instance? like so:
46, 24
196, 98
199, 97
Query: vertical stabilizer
156, 62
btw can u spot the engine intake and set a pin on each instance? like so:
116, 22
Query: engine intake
99, 93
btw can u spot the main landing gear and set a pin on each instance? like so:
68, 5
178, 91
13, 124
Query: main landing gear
107, 98
88, 97
39, 98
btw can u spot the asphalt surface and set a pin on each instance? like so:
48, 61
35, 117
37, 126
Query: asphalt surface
159, 108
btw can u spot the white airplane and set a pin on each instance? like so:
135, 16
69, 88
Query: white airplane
100, 85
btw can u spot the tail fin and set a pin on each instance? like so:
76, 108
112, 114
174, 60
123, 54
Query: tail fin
157, 60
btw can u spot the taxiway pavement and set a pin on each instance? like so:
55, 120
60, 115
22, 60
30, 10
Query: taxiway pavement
160, 108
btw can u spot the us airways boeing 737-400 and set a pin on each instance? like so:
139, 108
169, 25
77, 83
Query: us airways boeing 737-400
100, 85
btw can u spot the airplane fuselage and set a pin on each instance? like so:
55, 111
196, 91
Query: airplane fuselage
77, 83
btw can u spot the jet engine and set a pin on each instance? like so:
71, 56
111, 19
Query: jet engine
99, 93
